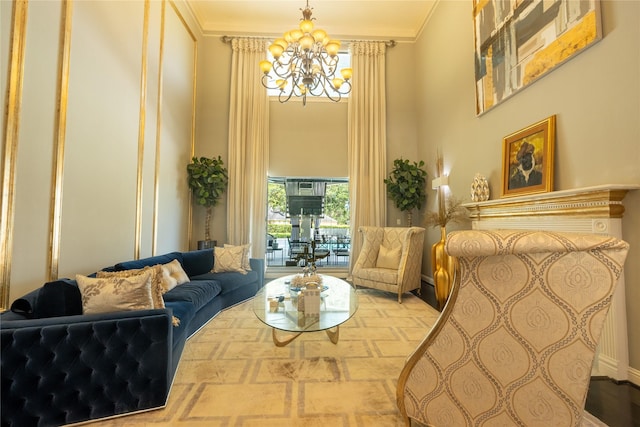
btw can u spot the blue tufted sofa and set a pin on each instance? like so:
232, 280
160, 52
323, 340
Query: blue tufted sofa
60, 366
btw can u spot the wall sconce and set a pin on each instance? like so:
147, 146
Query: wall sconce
440, 181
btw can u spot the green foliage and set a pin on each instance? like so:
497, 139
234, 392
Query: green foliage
336, 202
279, 230
208, 179
277, 197
406, 184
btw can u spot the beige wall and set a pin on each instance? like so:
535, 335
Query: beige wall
308, 140
104, 182
596, 97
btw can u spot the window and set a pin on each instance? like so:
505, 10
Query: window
305, 210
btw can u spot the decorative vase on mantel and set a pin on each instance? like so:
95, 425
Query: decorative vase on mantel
479, 188
443, 267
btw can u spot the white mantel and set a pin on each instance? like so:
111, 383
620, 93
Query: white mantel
597, 209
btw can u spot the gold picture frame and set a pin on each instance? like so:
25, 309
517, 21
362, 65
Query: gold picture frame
527, 159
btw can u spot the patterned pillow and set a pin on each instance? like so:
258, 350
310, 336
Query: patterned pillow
388, 257
156, 273
108, 294
228, 259
176, 272
245, 256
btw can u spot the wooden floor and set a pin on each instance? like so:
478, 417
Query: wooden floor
617, 405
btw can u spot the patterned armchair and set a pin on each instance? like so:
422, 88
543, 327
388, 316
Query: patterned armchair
515, 342
390, 259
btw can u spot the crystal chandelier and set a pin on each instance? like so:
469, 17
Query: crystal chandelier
305, 62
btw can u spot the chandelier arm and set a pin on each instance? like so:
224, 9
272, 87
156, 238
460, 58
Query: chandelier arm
286, 98
340, 90
334, 99
266, 80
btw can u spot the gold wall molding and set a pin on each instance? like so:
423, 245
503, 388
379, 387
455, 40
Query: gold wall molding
13, 104
604, 201
141, 130
59, 141
156, 174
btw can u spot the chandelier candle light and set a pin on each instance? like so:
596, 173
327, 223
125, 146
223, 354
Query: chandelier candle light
305, 62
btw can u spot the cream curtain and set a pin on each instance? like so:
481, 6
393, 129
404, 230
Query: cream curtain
248, 147
367, 140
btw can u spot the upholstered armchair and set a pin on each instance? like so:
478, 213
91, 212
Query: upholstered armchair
516, 340
390, 259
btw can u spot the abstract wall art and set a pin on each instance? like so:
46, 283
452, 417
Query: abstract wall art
519, 41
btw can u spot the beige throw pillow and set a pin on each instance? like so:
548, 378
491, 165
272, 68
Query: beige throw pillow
168, 282
157, 285
245, 256
176, 272
388, 257
228, 259
109, 294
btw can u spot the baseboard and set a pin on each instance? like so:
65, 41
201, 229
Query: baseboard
608, 367
634, 376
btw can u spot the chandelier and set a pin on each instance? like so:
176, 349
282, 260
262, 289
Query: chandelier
305, 62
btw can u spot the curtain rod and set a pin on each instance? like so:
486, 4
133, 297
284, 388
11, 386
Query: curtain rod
388, 43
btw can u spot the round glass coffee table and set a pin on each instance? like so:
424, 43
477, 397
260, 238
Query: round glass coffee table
276, 304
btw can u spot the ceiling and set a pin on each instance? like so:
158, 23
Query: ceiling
343, 19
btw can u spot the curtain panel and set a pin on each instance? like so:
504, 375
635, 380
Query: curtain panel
367, 155
248, 146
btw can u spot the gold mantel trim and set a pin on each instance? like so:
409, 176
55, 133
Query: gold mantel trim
592, 202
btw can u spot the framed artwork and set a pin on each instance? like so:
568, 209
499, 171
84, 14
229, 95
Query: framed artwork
519, 41
527, 159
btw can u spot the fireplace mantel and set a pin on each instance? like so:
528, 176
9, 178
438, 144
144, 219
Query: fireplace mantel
597, 209
602, 201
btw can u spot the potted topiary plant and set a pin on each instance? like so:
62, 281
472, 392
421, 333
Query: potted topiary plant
406, 186
208, 179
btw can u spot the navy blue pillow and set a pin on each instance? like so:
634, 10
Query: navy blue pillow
197, 262
59, 298
23, 307
148, 262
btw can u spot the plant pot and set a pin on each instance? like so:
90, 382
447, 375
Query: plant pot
206, 244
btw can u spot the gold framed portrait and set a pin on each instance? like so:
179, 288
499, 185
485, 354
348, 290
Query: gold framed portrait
527, 159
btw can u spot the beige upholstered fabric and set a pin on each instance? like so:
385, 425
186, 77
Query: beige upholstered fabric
403, 279
108, 294
515, 343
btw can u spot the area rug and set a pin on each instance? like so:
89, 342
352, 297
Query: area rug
231, 373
